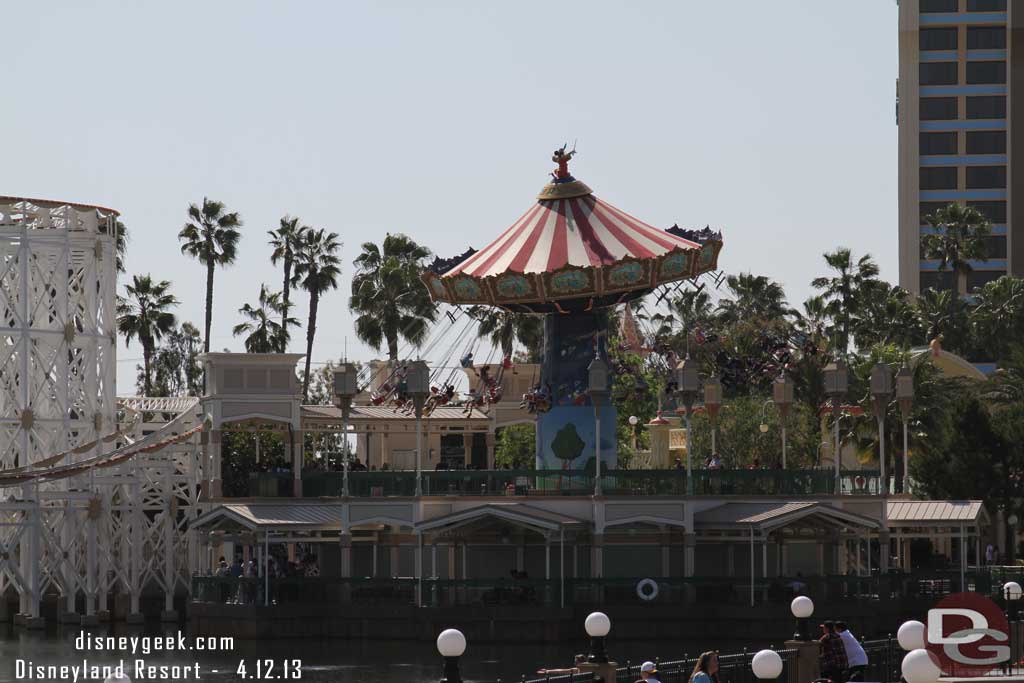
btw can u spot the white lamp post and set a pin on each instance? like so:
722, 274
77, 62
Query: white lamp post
597, 625
345, 388
919, 666
712, 404
418, 387
836, 384
598, 388
1013, 593
782, 394
881, 390
802, 608
911, 636
688, 384
905, 397
766, 665
633, 421
451, 644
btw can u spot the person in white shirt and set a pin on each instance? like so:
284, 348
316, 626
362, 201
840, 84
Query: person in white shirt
649, 672
856, 658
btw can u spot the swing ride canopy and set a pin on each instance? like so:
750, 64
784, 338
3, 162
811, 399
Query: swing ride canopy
572, 251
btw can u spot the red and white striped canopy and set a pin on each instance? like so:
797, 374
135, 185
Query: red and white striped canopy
578, 231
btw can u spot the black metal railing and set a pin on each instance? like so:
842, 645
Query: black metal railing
732, 668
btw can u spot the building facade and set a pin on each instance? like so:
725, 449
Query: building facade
959, 62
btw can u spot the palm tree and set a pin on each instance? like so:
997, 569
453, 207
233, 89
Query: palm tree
211, 236
887, 316
944, 315
388, 295
842, 292
285, 242
266, 334
998, 315
504, 328
144, 314
317, 268
958, 237
754, 297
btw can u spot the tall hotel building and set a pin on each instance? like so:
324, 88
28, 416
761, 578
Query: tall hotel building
960, 89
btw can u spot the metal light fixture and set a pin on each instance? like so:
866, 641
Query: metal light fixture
881, 390
836, 386
346, 386
766, 665
911, 635
597, 626
905, 397
712, 404
802, 608
782, 395
920, 666
687, 385
417, 386
598, 386
451, 645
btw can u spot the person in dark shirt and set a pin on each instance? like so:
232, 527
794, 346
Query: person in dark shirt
832, 653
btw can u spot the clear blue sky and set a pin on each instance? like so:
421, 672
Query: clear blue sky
773, 121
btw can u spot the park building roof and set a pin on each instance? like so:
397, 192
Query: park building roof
769, 515
933, 511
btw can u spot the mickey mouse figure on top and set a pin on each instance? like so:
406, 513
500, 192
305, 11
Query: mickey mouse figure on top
561, 157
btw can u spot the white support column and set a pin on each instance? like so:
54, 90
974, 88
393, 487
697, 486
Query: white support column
170, 580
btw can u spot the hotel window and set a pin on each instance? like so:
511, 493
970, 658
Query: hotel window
986, 5
937, 280
994, 211
938, 38
995, 246
976, 279
938, 178
938, 143
986, 107
986, 72
986, 142
927, 209
938, 109
933, 6
986, 177
986, 38
938, 73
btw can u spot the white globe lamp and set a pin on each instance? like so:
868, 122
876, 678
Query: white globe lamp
920, 666
802, 608
597, 626
911, 636
451, 644
1012, 590
767, 665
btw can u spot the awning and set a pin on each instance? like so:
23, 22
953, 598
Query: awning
913, 513
514, 513
768, 516
272, 517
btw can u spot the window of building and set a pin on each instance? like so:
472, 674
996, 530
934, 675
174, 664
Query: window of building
938, 178
939, 73
995, 246
986, 142
938, 109
986, 5
986, 177
927, 209
976, 279
933, 6
985, 38
938, 143
985, 107
938, 38
985, 72
936, 280
994, 211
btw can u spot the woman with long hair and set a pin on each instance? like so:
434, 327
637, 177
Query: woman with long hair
706, 670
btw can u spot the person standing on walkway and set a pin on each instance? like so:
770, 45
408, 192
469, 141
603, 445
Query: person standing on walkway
832, 653
649, 672
706, 669
856, 658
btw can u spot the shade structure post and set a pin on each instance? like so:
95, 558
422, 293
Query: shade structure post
418, 387
599, 388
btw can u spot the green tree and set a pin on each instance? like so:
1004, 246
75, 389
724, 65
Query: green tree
754, 297
515, 447
886, 315
1006, 385
959, 236
998, 316
567, 445
176, 367
210, 236
944, 315
145, 313
317, 268
388, 296
504, 328
844, 291
285, 242
264, 333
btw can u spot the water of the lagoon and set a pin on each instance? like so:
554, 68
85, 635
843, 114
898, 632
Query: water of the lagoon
337, 661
